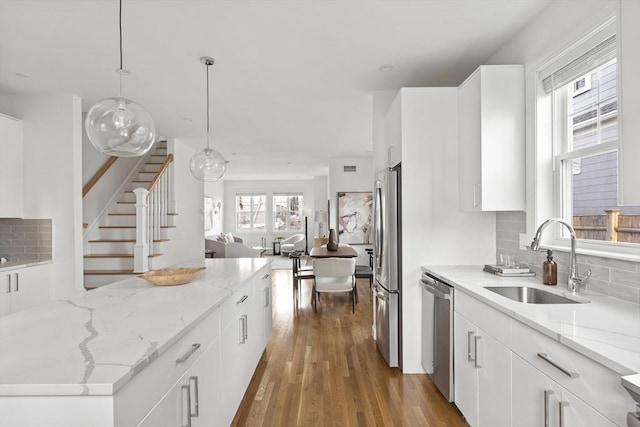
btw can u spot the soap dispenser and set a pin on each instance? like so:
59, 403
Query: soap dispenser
549, 270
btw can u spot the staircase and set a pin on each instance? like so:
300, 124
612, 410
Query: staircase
110, 254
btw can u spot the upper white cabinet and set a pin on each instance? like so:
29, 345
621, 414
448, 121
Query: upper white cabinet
11, 199
629, 55
393, 132
491, 151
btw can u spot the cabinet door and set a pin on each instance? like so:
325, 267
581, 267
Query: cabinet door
535, 396
11, 180
5, 292
493, 362
574, 412
235, 375
267, 309
195, 399
465, 380
469, 143
30, 287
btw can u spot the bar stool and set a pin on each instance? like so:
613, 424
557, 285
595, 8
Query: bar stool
299, 273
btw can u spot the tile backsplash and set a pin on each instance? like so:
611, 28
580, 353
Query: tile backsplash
618, 278
25, 239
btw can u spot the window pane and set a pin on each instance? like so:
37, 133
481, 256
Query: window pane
593, 108
287, 214
592, 191
250, 212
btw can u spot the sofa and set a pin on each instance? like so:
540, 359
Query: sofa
229, 247
296, 242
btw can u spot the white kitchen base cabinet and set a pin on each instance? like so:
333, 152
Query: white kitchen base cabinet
23, 288
540, 401
195, 400
482, 375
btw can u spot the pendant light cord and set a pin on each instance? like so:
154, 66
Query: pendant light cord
208, 105
121, 70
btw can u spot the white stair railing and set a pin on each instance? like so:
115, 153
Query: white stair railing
153, 206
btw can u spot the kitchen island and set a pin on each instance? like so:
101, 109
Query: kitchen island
556, 360
112, 356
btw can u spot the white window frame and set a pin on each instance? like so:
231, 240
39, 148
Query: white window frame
235, 209
548, 201
273, 211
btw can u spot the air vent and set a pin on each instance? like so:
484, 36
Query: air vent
350, 168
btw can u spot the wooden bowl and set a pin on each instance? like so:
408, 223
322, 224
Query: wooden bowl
171, 276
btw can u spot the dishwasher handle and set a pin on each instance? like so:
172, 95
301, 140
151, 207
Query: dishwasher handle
435, 291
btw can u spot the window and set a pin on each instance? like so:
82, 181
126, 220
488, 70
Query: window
584, 97
250, 212
287, 212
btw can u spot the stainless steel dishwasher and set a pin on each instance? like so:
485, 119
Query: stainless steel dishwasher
437, 333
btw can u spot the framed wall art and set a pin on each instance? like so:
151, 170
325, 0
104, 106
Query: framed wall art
355, 218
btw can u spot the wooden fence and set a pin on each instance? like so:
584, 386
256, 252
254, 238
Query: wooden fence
612, 226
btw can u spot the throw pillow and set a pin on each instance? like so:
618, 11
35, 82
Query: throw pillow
221, 238
228, 238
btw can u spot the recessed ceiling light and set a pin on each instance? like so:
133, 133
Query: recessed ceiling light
23, 75
187, 119
385, 68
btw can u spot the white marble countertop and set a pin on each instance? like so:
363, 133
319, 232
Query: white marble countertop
605, 329
95, 344
14, 265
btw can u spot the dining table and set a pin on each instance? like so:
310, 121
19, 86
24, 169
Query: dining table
343, 251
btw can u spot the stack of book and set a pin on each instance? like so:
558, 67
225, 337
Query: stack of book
501, 270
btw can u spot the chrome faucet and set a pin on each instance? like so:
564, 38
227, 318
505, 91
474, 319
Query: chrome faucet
574, 279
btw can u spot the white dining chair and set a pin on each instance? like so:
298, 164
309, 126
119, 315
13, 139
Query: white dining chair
334, 275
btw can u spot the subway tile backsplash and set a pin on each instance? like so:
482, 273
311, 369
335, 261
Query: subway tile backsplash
618, 278
25, 239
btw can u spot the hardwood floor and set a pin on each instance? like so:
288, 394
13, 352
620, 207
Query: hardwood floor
323, 369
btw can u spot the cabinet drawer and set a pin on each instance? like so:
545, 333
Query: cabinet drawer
493, 322
145, 389
592, 382
240, 300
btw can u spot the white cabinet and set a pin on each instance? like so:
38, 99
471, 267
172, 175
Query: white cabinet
393, 132
540, 401
491, 140
482, 375
264, 289
23, 288
195, 399
11, 179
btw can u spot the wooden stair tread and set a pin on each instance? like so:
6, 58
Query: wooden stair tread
115, 255
131, 226
122, 240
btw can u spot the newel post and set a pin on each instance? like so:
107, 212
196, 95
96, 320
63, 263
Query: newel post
141, 248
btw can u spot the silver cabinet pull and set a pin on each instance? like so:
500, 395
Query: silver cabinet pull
265, 276
17, 289
188, 354
186, 405
267, 297
469, 357
545, 357
547, 396
196, 402
246, 327
8, 291
241, 300
476, 339
562, 405
242, 330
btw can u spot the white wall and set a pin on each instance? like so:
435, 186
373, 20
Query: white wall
215, 190
320, 196
231, 188
340, 181
52, 178
187, 239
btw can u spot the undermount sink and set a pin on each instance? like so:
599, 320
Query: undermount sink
531, 295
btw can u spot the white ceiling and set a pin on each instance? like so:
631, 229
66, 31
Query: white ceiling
293, 80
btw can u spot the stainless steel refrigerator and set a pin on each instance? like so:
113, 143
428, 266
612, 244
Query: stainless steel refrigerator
388, 260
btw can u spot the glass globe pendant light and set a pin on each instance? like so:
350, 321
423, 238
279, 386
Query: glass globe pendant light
118, 126
207, 164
